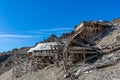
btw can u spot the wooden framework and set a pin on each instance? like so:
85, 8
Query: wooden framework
42, 58
81, 47
40, 61
88, 32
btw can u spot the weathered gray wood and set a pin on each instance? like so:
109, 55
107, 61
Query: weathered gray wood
81, 48
104, 64
79, 52
113, 49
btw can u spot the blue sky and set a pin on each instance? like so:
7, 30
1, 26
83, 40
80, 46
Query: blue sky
25, 22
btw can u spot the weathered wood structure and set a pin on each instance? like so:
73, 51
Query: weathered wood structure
81, 47
44, 54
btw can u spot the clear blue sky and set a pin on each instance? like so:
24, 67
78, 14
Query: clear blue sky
25, 22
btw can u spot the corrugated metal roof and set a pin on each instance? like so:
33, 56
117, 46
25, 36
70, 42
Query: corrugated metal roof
44, 46
30, 50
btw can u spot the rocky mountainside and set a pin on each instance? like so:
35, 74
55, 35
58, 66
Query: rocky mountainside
53, 37
110, 72
7, 59
117, 20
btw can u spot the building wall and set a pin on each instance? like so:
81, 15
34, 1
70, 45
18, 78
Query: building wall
43, 53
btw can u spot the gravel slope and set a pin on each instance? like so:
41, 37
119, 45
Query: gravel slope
7, 75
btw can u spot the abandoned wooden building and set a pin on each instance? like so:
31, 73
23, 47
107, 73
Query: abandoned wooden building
82, 45
44, 54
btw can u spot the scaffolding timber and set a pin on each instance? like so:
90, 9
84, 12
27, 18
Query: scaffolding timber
81, 47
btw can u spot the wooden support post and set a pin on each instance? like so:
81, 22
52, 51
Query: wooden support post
81, 57
65, 59
49, 57
57, 57
84, 55
42, 61
52, 50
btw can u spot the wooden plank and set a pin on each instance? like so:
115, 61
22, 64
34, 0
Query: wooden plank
84, 57
75, 52
90, 57
86, 51
78, 48
91, 52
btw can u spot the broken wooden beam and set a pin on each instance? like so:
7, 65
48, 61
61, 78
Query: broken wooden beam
79, 52
98, 66
81, 48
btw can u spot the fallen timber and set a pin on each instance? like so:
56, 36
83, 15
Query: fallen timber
98, 64
111, 48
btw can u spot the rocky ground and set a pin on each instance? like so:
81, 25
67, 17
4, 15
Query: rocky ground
111, 72
7, 75
7, 59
